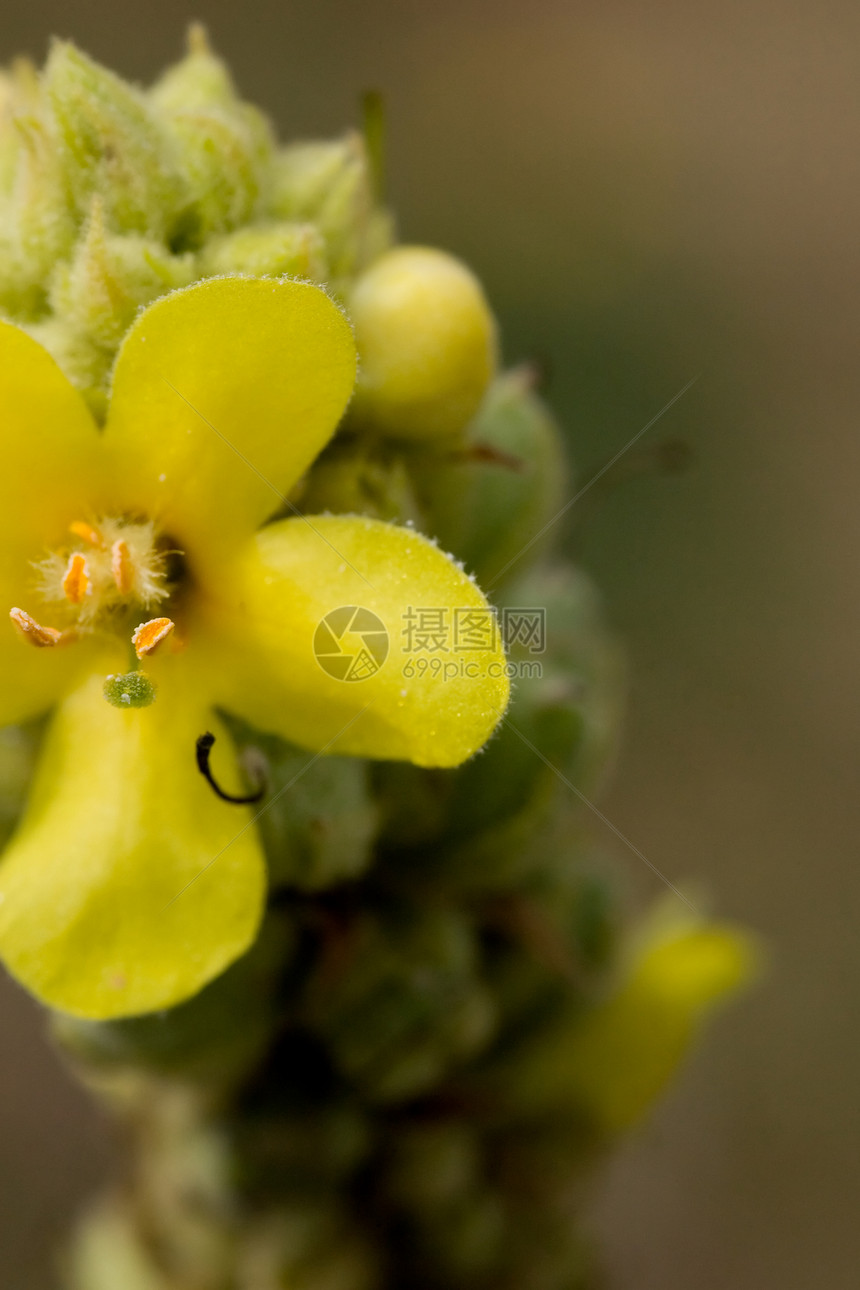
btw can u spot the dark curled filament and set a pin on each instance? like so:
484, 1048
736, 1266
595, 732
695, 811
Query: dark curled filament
203, 749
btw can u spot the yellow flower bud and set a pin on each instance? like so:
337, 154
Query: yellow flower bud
427, 344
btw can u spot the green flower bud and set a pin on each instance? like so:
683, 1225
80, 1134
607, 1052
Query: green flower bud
306, 175
267, 250
20, 96
406, 1004
113, 145
220, 156
109, 277
486, 499
108, 1251
465, 1241
330, 184
357, 478
224, 146
310, 1245
200, 80
430, 1166
322, 830
301, 1148
583, 664
38, 227
427, 344
133, 690
483, 827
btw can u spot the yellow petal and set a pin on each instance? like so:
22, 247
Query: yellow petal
48, 448
616, 1060
366, 682
129, 884
223, 394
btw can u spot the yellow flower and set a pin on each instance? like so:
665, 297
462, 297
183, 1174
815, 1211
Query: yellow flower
614, 1061
129, 883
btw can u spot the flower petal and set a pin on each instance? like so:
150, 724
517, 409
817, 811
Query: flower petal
129, 884
357, 684
223, 394
50, 447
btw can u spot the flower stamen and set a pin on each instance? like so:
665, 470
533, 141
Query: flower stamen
86, 532
122, 566
148, 636
36, 633
76, 581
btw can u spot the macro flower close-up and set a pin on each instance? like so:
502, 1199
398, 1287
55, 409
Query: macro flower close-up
394, 781
130, 884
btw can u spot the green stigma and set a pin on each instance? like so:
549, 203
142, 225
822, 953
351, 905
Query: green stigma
129, 690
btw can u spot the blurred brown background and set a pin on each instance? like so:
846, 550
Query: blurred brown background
649, 192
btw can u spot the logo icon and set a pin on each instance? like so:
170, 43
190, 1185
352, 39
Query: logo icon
351, 643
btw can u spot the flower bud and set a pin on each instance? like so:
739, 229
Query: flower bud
330, 185
112, 144
352, 478
613, 1061
487, 824
39, 228
200, 80
109, 277
224, 146
322, 832
221, 160
267, 250
463, 1243
486, 500
432, 1165
20, 96
313, 1243
406, 1003
427, 344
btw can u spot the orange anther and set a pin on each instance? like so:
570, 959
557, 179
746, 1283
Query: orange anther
148, 636
121, 566
35, 633
76, 579
86, 532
